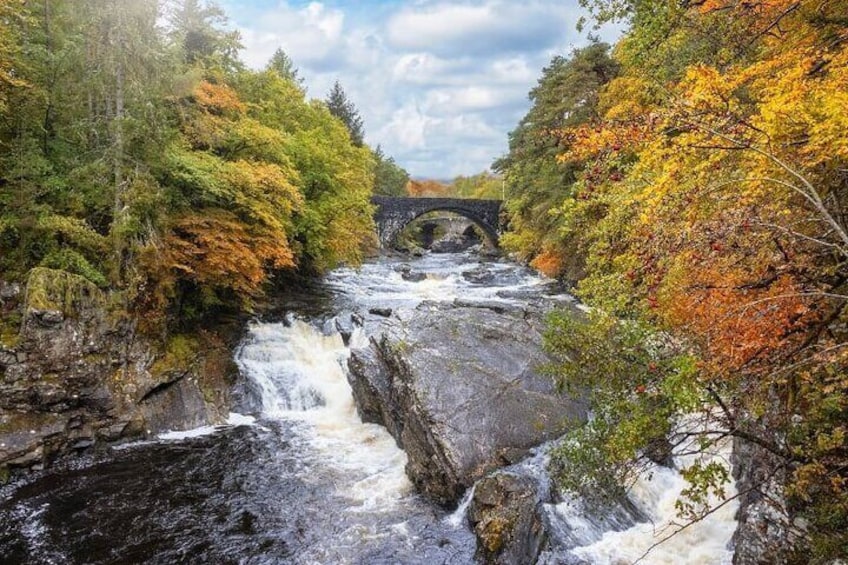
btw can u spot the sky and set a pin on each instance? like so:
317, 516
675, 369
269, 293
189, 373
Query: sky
438, 84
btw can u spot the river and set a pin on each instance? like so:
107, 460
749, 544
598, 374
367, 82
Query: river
302, 479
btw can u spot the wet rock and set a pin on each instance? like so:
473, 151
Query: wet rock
763, 535
407, 274
83, 444
519, 294
460, 390
9, 291
7, 357
414, 277
345, 324
480, 275
661, 452
48, 318
505, 516
384, 312
493, 305
79, 373
453, 244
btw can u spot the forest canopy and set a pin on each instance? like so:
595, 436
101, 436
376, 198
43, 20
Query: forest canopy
137, 151
692, 181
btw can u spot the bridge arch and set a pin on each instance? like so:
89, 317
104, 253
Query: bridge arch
394, 214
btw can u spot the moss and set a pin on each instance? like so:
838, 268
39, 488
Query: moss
72, 262
50, 289
400, 346
5, 474
208, 395
494, 534
181, 352
10, 329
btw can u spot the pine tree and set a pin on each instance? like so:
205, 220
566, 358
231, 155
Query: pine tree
284, 66
344, 109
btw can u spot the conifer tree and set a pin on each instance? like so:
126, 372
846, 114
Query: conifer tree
342, 108
283, 65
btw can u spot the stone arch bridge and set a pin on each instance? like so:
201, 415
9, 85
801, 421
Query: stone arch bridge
394, 213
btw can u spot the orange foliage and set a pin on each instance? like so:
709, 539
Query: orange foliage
426, 188
549, 262
218, 98
220, 251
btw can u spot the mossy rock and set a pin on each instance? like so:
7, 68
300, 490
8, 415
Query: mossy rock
181, 353
10, 329
60, 291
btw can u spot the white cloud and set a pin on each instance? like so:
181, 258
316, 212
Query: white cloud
490, 27
438, 84
311, 35
406, 129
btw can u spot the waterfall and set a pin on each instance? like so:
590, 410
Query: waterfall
300, 374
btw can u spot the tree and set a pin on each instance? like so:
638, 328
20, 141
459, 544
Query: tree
342, 108
389, 178
13, 19
282, 64
711, 214
147, 159
566, 95
481, 185
198, 29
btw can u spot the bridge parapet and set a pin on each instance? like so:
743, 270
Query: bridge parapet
394, 214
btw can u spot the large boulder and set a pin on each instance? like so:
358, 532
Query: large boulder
461, 390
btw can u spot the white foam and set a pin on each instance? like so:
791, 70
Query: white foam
458, 517
233, 420
301, 378
188, 434
706, 542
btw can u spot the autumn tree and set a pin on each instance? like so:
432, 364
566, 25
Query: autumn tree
482, 185
427, 188
708, 199
139, 153
566, 95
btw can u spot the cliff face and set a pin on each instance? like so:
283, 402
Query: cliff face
74, 373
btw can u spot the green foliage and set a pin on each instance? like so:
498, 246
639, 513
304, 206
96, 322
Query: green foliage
700, 189
181, 353
390, 179
484, 185
342, 108
146, 158
536, 182
639, 386
72, 262
282, 64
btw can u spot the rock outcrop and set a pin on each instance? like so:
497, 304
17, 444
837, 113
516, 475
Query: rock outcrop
764, 533
506, 516
459, 387
77, 373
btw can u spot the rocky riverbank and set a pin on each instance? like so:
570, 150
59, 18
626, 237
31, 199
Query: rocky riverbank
75, 373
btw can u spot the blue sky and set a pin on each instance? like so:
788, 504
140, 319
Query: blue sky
439, 84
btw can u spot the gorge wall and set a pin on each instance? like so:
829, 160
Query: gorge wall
76, 373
